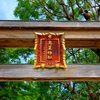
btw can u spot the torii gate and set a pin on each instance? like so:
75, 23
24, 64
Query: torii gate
77, 35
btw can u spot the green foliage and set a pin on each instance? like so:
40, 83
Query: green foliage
14, 55
81, 56
48, 90
55, 10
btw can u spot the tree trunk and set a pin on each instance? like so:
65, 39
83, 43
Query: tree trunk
96, 51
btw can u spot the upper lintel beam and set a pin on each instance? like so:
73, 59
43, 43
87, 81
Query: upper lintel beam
49, 24
77, 34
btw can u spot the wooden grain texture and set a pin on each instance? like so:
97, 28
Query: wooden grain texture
48, 24
76, 34
29, 43
78, 43
18, 43
27, 72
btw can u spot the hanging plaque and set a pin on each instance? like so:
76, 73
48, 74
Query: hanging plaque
49, 50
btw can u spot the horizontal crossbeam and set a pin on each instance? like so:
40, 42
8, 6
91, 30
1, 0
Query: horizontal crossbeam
76, 34
27, 72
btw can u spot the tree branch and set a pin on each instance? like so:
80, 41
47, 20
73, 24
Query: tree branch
79, 5
91, 8
47, 9
73, 89
96, 2
96, 51
65, 9
72, 8
92, 96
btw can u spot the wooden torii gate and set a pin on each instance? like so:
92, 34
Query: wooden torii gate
77, 35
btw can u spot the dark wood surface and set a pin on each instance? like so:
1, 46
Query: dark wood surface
27, 72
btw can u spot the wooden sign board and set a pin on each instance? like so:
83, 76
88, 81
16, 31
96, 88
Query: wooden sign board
49, 48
